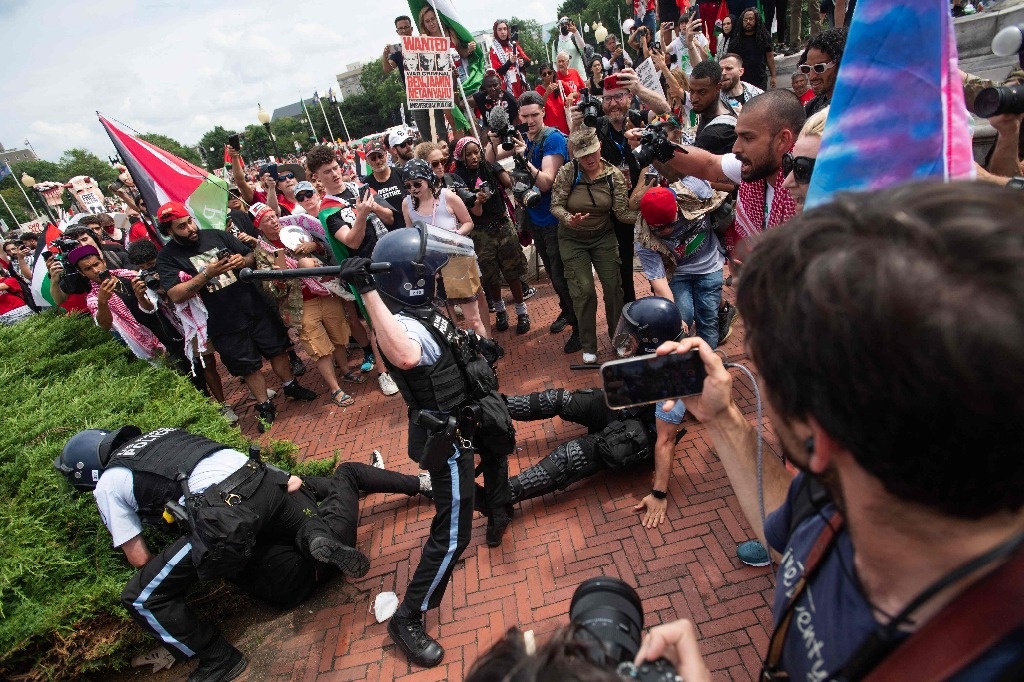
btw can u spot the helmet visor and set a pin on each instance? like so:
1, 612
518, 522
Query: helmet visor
442, 245
624, 341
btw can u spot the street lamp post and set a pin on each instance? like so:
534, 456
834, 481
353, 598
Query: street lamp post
30, 183
264, 117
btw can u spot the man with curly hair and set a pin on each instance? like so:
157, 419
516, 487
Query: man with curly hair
820, 63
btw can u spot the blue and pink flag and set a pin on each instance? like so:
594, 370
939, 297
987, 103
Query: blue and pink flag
898, 111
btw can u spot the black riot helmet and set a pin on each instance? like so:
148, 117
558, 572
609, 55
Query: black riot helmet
416, 254
86, 454
645, 324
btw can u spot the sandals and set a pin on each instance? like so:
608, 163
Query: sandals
353, 377
342, 399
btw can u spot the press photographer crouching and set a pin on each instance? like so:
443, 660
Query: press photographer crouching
888, 330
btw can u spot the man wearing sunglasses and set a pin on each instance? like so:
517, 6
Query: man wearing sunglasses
820, 63
400, 143
386, 181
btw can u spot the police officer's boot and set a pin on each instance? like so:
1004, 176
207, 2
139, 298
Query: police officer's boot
408, 633
219, 662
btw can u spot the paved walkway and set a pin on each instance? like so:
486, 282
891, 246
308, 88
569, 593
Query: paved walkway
686, 568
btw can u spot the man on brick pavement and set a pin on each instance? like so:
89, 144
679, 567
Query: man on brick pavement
299, 532
887, 540
454, 407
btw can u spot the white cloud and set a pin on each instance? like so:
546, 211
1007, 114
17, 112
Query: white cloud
180, 68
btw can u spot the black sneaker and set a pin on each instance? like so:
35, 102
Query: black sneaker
220, 662
574, 345
297, 392
497, 524
528, 293
490, 306
726, 316
349, 560
501, 321
523, 325
419, 647
265, 414
558, 325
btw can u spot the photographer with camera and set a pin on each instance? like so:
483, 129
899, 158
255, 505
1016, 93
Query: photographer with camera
608, 118
19, 258
902, 561
538, 160
1003, 105
689, 46
615, 59
491, 95
571, 43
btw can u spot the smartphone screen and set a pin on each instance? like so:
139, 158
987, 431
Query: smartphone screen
651, 378
234, 143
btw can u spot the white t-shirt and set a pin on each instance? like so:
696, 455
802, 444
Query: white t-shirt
678, 47
731, 169
115, 492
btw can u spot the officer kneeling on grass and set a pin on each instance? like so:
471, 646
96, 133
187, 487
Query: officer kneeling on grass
246, 521
446, 379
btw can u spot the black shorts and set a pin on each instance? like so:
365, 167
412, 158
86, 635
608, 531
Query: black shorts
243, 351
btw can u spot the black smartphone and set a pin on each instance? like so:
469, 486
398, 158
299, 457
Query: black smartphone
104, 276
222, 254
650, 177
234, 143
363, 191
651, 378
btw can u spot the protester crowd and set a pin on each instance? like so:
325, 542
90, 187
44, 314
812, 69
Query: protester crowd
584, 166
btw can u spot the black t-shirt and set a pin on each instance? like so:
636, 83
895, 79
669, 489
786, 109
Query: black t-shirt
243, 222
484, 106
347, 216
392, 191
616, 151
717, 139
494, 208
755, 63
231, 303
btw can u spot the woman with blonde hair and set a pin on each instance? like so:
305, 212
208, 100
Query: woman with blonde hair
798, 164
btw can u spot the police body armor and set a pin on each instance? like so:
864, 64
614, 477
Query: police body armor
157, 460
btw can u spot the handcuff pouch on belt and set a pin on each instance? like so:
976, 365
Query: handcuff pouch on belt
444, 431
223, 530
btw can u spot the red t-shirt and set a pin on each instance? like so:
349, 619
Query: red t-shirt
140, 231
10, 298
554, 110
807, 96
286, 206
571, 81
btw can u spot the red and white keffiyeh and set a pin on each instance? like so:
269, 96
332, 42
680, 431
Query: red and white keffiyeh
139, 338
750, 210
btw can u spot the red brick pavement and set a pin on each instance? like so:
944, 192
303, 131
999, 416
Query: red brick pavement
686, 568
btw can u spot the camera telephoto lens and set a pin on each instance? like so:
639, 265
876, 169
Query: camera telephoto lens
610, 616
1006, 99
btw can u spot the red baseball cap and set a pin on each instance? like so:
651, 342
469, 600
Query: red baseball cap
172, 210
658, 206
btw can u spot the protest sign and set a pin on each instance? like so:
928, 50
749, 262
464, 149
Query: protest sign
648, 75
428, 72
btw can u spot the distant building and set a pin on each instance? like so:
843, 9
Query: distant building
12, 155
348, 80
292, 110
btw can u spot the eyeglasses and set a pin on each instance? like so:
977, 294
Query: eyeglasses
817, 68
617, 97
800, 166
302, 196
285, 176
415, 184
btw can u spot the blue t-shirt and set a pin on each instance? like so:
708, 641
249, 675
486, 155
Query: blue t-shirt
553, 143
832, 617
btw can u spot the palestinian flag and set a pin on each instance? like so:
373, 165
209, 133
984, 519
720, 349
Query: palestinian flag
40, 273
328, 207
898, 57
475, 63
161, 177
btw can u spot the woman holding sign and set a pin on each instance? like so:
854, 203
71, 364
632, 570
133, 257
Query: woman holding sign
466, 56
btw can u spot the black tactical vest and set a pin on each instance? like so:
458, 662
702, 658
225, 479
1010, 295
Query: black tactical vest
439, 386
155, 460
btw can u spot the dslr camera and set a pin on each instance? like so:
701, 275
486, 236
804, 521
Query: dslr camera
467, 195
590, 106
1004, 99
654, 146
609, 617
151, 279
523, 189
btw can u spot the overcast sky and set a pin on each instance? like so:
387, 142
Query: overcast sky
181, 67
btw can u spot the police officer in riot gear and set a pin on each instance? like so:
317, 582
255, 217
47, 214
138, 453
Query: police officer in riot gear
616, 438
274, 542
450, 388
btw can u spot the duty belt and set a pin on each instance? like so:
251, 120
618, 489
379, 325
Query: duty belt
241, 484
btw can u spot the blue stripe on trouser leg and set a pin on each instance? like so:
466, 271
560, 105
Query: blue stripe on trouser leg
152, 586
453, 529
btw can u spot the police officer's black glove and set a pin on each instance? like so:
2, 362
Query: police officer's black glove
356, 271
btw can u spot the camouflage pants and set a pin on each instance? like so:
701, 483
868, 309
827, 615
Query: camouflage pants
499, 253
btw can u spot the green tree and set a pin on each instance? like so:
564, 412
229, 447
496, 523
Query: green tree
174, 147
39, 169
606, 11
531, 38
213, 142
76, 162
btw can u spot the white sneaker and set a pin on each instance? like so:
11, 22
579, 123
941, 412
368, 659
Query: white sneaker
228, 413
270, 394
376, 460
387, 384
589, 358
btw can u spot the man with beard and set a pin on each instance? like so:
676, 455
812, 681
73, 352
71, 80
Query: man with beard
242, 325
400, 144
716, 121
820, 64
765, 131
387, 182
736, 92
753, 43
868, 317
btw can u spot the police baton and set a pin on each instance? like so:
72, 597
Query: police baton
248, 274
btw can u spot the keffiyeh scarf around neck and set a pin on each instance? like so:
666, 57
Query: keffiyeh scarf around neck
750, 210
139, 338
